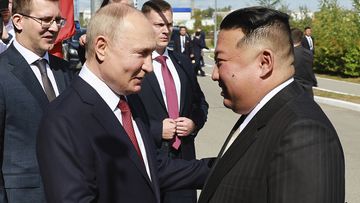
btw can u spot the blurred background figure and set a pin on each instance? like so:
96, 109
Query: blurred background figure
308, 41
304, 58
7, 28
198, 43
182, 43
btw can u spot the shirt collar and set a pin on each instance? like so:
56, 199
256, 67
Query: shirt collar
156, 54
266, 98
110, 97
29, 56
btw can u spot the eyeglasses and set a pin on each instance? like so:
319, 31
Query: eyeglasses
47, 22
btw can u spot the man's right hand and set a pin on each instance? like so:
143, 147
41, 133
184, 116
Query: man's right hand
169, 129
82, 40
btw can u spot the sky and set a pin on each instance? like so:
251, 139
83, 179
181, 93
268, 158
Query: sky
294, 5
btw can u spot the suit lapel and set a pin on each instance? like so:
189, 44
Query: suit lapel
134, 105
247, 137
22, 70
105, 116
154, 84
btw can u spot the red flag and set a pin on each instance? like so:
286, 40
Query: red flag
67, 12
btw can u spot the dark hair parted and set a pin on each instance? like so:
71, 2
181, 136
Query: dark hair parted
258, 24
156, 5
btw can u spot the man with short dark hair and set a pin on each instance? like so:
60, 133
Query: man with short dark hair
303, 63
172, 96
30, 78
308, 41
182, 43
283, 148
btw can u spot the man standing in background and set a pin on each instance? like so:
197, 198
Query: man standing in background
172, 97
308, 41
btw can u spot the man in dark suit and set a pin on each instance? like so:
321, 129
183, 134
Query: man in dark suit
198, 44
182, 43
308, 41
93, 143
176, 107
303, 63
29, 79
283, 148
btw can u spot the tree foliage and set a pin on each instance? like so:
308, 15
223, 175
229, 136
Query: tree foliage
269, 3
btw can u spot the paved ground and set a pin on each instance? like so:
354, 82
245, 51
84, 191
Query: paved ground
221, 120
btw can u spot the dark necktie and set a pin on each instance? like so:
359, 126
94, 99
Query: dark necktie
49, 90
171, 95
127, 123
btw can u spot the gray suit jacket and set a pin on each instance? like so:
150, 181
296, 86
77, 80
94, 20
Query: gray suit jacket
288, 152
22, 101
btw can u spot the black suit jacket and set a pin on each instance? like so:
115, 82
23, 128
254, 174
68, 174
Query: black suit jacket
304, 66
188, 46
288, 152
22, 101
306, 45
192, 103
85, 154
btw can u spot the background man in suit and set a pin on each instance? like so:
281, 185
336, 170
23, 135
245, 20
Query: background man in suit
93, 143
8, 33
176, 106
303, 63
308, 41
198, 44
283, 148
29, 79
182, 43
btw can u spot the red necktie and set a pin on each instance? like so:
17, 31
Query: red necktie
127, 123
171, 95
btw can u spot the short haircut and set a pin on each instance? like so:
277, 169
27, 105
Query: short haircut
182, 27
107, 22
307, 27
156, 5
261, 25
296, 35
23, 6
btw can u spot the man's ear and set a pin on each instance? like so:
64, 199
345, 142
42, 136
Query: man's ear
101, 44
17, 21
266, 63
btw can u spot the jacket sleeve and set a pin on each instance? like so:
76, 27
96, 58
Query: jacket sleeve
57, 155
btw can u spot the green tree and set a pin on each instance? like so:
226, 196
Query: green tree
269, 3
337, 39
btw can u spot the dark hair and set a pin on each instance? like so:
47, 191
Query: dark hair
261, 25
307, 27
156, 5
180, 27
296, 35
104, 3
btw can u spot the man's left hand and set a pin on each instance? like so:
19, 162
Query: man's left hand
184, 126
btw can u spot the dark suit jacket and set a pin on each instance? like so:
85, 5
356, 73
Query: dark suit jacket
85, 154
188, 45
306, 45
304, 66
288, 152
22, 100
192, 103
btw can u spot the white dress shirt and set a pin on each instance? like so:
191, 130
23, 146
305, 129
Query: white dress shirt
174, 73
309, 39
257, 108
112, 100
30, 58
182, 41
